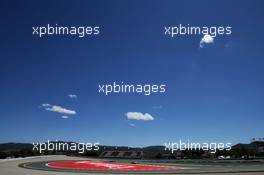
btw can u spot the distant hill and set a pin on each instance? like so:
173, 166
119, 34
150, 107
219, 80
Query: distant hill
8, 146
154, 148
255, 149
15, 146
250, 146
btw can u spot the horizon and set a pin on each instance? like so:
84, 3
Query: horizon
115, 145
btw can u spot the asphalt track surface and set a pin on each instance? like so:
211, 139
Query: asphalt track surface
37, 166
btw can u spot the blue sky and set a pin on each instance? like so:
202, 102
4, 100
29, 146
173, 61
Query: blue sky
213, 93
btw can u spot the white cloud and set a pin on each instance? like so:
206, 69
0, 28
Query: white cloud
61, 110
132, 125
139, 116
65, 116
206, 39
45, 105
72, 96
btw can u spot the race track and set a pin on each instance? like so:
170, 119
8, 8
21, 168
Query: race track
63, 165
